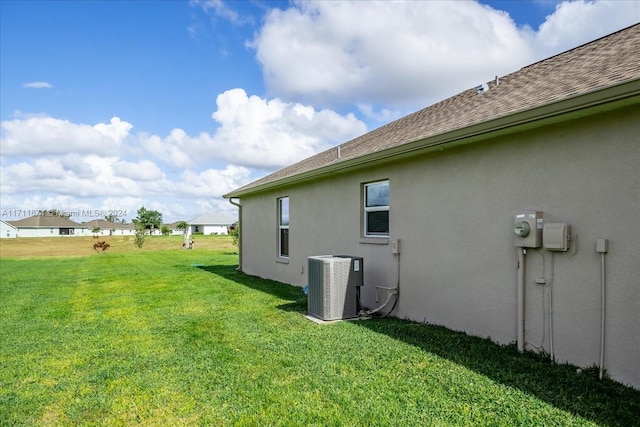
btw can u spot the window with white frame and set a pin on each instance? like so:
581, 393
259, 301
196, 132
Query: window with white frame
283, 227
376, 209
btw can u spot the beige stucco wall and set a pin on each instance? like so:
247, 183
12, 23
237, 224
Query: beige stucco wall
453, 211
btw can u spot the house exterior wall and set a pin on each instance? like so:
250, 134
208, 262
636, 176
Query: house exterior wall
209, 229
454, 211
50, 232
7, 231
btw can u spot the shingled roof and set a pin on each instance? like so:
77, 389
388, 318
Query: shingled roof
213, 218
610, 61
47, 221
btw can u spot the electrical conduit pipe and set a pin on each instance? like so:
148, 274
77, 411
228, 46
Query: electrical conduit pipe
603, 286
520, 297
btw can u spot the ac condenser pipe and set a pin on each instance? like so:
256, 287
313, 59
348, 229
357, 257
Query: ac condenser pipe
520, 298
391, 292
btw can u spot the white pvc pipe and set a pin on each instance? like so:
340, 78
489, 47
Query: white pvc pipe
602, 310
520, 297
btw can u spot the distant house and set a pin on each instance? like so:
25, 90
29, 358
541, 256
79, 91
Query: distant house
436, 204
108, 228
174, 228
47, 226
7, 230
211, 223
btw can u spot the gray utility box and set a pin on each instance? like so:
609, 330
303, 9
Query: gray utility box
332, 295
527, 229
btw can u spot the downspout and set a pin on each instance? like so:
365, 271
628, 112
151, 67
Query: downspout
239, 206
520, 297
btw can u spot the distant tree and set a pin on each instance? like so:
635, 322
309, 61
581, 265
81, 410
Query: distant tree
96, 231
184, 227
234, 232
165, 231
111, 218
148, 220
140, 235
57, 212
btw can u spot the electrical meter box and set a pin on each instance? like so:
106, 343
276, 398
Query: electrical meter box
527, 229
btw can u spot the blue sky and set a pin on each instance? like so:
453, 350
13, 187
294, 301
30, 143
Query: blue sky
111, 105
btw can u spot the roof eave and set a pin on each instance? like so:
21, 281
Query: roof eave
615, 96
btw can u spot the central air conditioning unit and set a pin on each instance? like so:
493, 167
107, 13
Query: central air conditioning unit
332, 295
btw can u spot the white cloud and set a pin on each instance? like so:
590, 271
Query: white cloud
37, 85
213, 182
272, 133
256, 132
101, 176
577, 22
409, 54
143, 170
48, 157
38, 136
176, 149
218, 8
385, 52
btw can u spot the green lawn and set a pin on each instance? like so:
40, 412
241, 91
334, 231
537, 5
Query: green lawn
180, 338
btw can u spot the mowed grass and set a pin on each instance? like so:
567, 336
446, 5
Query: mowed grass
178, 337
83, 245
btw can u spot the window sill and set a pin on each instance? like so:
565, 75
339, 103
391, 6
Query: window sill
374, 240
282, 260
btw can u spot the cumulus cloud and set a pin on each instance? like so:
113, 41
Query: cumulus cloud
272, 133
385, 52
102, 176
399, 53
213, 182
45, 155
256, 132
577, 22
39, 136
143, 170
37, 85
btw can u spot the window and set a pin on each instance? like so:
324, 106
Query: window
376, 209
283, 227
